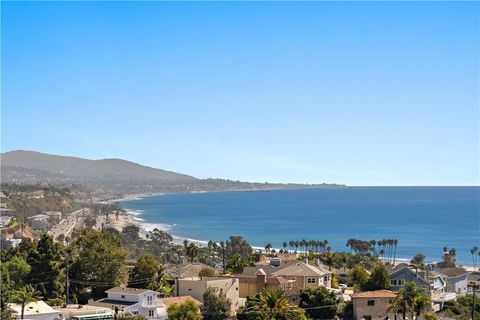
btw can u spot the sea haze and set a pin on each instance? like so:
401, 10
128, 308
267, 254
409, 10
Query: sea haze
423, 219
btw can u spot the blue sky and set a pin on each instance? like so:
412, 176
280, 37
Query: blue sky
377, 93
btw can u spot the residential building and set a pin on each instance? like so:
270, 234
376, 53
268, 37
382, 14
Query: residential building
78, 311
301, 275
473, 284
133, 300
456, 279
191, 271
37, 310
402, 274
196, 288
251, 284
372, 305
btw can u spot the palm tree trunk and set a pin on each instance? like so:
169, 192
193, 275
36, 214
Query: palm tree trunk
23, 311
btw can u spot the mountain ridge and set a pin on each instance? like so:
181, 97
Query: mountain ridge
116, 177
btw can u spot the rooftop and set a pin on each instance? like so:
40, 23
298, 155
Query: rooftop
374, 294
177, 300
301, 269
109, 303
126, 290
32, 308
452, 272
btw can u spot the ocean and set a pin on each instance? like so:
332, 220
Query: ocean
423, 219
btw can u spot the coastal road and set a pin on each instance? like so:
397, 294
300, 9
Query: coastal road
66, 226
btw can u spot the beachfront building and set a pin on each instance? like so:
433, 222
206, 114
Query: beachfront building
130, 300
37, 310
372, 305
222, 285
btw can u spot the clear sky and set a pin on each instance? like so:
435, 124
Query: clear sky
377, 93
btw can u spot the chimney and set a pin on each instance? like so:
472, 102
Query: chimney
306, 260
261, 278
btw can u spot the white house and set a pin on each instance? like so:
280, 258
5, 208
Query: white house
130, 300
37, 310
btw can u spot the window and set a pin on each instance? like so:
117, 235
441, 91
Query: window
293, 278
393, 282
367, 317
151, 313
370, 302
123, 296
325, 279
401, 282
311, 280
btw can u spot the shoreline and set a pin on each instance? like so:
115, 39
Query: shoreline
139, 196
147, 226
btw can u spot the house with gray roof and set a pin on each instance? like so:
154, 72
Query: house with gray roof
456, 278
399, 276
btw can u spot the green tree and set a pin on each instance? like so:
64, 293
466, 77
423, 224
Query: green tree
319, 303
410, 300
237, 245
378, 279
236, 263
184, 311
99, 260
206, 272
47, 267
271, 304
358, 277
215, 306
418, 261
24, 296
18, 270
146, 273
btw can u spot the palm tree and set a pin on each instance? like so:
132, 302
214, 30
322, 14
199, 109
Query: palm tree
474, 251
410, 299
24, 296
395, 243
268, 247
222, 246
192, 251
285, 245
273, 304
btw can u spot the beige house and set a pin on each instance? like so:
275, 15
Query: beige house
196, 288
371, 305
251, 284
301, 275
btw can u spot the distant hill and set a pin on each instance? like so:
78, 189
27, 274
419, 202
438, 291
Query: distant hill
78, 167
115, 177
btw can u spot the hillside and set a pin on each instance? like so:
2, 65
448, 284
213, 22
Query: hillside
114, 177
78, 167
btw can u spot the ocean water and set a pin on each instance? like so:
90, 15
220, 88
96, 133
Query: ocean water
423, 219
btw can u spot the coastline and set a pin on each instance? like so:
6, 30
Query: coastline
146, 226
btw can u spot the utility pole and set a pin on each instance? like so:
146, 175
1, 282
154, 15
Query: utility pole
67, 284
474, 285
